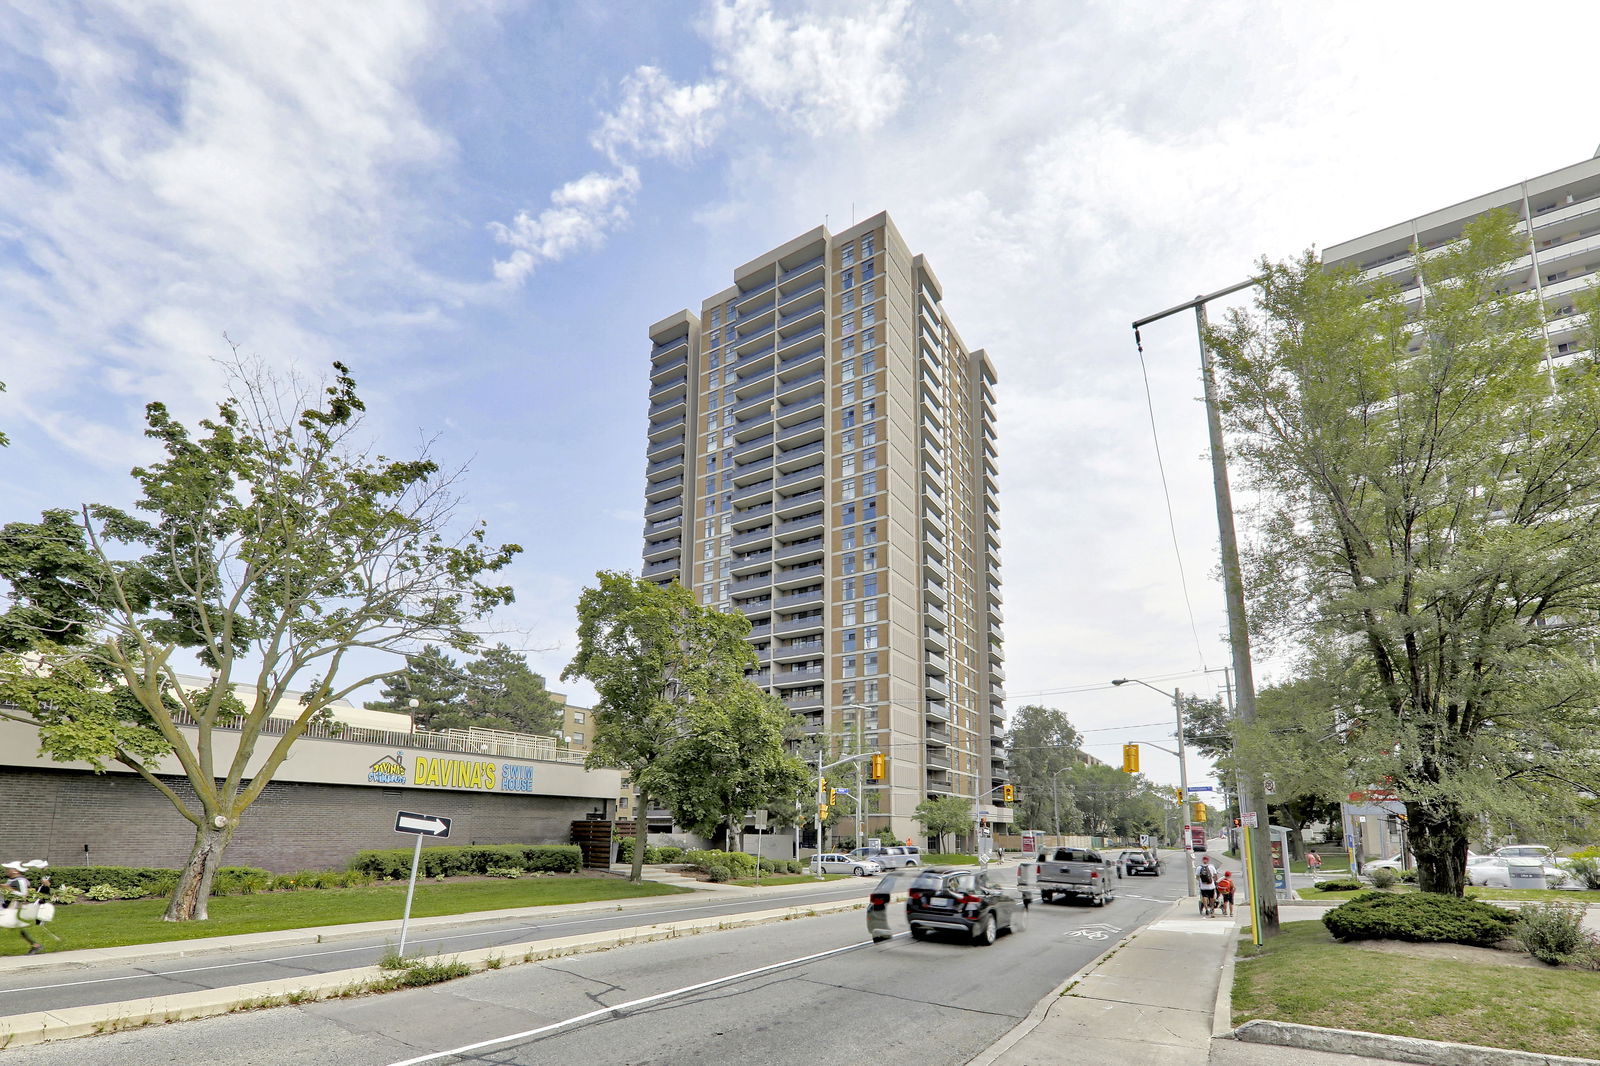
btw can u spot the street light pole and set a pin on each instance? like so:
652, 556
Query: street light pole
1183, 773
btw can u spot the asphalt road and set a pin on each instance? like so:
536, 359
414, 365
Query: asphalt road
114, 983
819, 986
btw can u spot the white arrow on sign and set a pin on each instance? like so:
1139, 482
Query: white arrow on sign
419, 823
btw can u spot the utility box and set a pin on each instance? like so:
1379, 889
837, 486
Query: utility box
1525, 873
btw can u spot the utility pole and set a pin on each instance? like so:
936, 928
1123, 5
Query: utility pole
1251, 800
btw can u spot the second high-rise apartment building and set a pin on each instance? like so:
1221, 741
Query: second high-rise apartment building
822, 458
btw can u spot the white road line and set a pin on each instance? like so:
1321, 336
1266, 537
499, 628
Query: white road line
603, 1012
539, 927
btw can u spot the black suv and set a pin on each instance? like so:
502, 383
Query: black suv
962, 901
1140, 861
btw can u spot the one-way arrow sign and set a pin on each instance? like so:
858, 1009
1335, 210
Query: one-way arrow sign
428, 825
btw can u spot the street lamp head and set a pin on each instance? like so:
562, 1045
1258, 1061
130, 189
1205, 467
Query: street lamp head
1120, 680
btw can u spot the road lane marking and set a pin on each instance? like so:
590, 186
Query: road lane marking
536, 927
604, 1012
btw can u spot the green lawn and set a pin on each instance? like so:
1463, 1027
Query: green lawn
1585, 896
948, 858
104, 925
1303, 975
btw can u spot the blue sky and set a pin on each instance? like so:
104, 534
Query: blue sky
482, 206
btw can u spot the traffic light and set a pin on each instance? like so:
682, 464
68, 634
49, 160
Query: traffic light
1199, 811
1130, 758
877, 770
822, 812
822, 786
833, 796
1008, 792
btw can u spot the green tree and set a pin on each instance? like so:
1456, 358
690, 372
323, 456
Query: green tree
433, 679
734, 760
1430, 490
944, 815
503, 693
269, 545
662, 666
1040, 747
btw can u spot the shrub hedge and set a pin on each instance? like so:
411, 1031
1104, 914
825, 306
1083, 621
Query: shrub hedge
1340, 884
738, 864
448, 862
1419, 916
131, 882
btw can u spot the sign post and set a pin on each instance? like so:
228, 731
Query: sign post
419, 826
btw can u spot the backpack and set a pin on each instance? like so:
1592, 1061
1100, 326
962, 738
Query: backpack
1206, 874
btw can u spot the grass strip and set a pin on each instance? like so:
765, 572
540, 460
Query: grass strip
1304, 975
789, 879
1486, 894
105, 925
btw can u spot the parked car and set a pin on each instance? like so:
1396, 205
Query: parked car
1384, 864
1140, 861
890, 858
1525, 851
837, 863
1494, 871
966, 902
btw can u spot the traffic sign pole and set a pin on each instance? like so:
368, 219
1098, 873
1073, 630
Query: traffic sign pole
411, 888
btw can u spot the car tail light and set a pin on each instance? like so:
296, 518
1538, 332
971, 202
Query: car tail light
971, 899
878, 899
1093, 874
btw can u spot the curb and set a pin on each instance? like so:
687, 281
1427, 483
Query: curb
43, 1026
1395, 1048
1222, 1008
327, 934
1022, 1029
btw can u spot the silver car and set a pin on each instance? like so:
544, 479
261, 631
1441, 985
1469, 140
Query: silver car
838, 863
895, 858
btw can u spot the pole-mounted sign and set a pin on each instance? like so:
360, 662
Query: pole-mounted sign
419, 826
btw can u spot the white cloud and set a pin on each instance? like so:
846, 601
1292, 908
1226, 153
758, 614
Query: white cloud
659, 117
580, 214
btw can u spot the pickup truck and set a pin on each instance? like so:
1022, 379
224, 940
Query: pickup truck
1072, 872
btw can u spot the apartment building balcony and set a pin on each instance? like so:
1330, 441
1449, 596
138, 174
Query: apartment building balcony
790, 273
664, 508
675, 387
936, 613
671, 427
804, 478
659, 549
806, 523
996, 671
787, 342
799, 649
932, 521
996, 633
674, 367
939, 782
660, 348
761, 629
746, 563
995, 614
750, 605
804, 700
752, 490
799, 394
797, 361
662, 449
812, 724
754, 382
800, 313
810, 429
790, 458
790, 576
762, 581
759, 535
796, 625
673, 523
935, 592
991, 542
670, 464
655, 490
755, 400
749, 366
665, 568
796, 292
935, 568
997, 717
935, 686
992, 591
799, 675
747, 451
997, 693
935, 639
798, 502
746, 428
673, 404
748, 294
936, 711
997, 742
936, 758
800, 597
802, 549
934, 663
745, 340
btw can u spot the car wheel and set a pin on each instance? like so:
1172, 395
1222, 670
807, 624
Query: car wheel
881, 937
1019, 920
918, 933
859, 872
910, 864
986, 932
1100, 900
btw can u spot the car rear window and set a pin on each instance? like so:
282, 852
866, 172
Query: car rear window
1072, 855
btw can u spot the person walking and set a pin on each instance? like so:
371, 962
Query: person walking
1225, 892
18, 890
1206, 876
1313, 862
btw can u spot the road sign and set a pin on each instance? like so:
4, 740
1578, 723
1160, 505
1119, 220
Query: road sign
1248, 820
427, 825
760, 819
1202, 788
1269, 786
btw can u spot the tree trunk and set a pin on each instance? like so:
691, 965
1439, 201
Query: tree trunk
1438, 832
193, 892
641, 830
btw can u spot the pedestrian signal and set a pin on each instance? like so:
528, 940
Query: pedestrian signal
1199, 812
1130, 758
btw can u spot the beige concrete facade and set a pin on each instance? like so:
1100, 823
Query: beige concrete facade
822, 458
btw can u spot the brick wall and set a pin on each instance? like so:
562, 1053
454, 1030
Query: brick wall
52, 814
